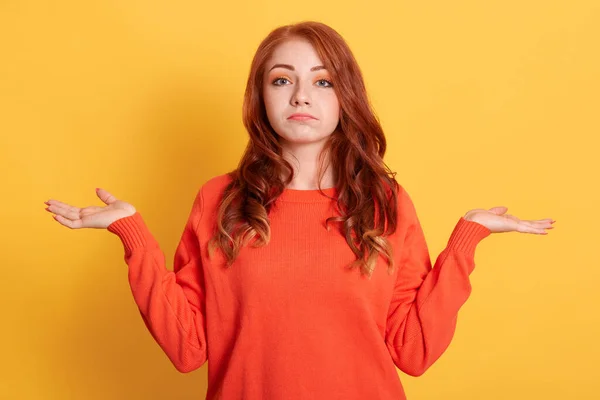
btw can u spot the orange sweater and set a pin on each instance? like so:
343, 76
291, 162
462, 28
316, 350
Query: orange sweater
288, 321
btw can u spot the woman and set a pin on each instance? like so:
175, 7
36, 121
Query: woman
304, 273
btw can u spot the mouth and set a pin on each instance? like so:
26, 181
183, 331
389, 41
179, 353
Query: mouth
301, 117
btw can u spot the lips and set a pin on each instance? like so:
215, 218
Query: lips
301, 117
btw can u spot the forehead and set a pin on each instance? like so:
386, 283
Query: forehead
297, 52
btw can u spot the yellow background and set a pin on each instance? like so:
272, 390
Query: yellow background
484, 103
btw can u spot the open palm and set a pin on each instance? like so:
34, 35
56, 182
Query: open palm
92, 216
497, 221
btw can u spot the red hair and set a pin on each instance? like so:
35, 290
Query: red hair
356, 148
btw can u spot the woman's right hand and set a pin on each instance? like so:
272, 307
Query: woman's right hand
92, 216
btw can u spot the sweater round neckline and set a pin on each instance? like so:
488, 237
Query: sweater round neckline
308, 196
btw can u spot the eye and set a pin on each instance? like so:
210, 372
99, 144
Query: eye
277, 81
327, 83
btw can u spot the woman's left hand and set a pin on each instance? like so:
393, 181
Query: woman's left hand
497, 221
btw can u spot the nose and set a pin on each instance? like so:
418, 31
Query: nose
301, 95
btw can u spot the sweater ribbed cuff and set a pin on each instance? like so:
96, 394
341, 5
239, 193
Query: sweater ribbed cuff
133, 232
466, 235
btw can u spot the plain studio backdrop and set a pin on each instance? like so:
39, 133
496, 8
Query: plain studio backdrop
484, 103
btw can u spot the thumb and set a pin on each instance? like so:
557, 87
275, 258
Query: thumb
106, 197
498, 210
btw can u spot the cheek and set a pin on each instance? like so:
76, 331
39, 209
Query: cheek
269, 103
273, 109
272, 101
332, 106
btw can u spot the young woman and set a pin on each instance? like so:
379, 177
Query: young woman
304, 273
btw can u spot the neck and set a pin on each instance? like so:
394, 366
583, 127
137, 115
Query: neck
305, 162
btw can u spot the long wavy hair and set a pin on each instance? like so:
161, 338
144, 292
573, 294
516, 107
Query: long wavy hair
356, 148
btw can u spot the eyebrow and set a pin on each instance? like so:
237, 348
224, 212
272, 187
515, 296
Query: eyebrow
291, 67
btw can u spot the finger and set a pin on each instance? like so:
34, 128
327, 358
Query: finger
106, 197
67, 222
57, 203
531, 220
539, 225
69, 212
500, 210
524, 227
540, 222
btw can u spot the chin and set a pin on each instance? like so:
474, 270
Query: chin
299, 139
302, 136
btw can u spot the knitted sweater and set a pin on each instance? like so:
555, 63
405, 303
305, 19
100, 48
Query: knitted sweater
288, 320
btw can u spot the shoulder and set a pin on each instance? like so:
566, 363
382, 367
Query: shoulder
210, 193
406, 212
402, 200
215, 186
208, 198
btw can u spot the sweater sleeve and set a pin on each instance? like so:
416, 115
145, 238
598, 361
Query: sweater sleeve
171, 303
425, 302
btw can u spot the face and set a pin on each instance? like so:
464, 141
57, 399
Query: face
296, 82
